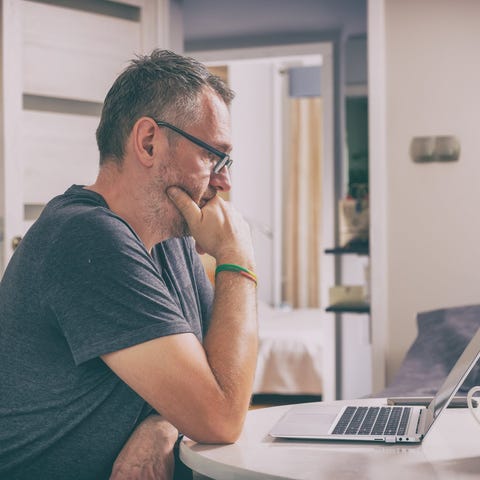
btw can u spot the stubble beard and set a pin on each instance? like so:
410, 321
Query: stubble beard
180, 228
163, 217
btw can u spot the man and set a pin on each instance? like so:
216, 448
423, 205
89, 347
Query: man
110, 336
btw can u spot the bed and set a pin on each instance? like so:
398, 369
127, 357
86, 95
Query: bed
442, 336
290, 352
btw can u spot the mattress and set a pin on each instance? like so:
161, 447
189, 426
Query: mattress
290, 352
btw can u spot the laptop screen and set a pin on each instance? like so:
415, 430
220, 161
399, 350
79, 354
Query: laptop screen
454, 380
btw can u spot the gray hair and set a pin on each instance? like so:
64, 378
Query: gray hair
163, 85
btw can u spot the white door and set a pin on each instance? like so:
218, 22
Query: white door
57, 65
262, 139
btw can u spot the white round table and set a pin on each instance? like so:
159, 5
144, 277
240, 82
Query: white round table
450, 451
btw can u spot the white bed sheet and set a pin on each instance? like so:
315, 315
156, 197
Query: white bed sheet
290, 352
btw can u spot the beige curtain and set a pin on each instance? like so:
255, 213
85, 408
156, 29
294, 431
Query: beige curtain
302, 218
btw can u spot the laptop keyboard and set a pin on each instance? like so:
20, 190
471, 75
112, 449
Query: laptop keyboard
373, 421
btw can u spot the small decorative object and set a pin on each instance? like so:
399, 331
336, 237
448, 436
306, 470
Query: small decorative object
347, 295
422, 149
442, 148
353, 220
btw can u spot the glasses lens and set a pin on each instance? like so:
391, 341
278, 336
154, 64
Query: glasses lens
226, 161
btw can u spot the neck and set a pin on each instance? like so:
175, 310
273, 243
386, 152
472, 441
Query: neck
121, 189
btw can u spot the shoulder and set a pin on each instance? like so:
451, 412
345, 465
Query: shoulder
77, 227
79, 215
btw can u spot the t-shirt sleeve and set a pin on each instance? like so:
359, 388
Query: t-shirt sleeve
105, 290
202, 289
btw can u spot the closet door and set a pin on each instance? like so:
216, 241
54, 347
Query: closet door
59, 59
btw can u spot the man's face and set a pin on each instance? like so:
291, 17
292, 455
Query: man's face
190, 167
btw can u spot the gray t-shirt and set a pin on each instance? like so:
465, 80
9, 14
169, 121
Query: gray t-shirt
82, 284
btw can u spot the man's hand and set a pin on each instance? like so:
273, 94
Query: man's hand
148, 454
217, 228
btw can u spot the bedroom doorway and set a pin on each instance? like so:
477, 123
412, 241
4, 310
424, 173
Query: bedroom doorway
260, 77
282, 180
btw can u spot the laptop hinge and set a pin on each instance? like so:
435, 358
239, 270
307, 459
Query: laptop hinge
421, 421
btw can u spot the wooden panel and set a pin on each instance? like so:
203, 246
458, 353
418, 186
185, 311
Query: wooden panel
57, 150
11, 137
74, 54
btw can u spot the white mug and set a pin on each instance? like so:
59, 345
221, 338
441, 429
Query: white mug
470, 395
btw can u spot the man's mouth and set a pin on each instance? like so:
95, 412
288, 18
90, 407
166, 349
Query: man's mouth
204, 200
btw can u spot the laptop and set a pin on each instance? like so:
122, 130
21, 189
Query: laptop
378, 423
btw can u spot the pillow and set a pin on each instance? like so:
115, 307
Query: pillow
442, 336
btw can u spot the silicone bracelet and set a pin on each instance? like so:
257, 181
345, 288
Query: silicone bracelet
232, 267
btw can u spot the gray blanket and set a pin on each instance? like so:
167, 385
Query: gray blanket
442, 337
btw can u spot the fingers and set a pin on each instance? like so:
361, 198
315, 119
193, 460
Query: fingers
188, 208
218, 229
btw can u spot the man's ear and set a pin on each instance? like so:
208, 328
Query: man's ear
145, 140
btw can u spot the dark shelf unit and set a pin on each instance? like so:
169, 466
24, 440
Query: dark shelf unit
360, 308
356, 249
361, 249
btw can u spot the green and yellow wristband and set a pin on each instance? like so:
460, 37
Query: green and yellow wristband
231, 267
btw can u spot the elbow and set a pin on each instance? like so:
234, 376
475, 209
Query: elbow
228, 434
220, 438
223, 430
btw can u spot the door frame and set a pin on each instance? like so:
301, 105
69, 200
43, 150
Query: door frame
332, 375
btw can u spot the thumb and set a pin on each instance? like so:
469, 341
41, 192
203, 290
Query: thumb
188, 208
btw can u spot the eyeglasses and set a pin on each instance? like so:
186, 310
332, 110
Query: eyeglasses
225, 160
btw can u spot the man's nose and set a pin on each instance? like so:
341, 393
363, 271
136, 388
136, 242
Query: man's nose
221, 180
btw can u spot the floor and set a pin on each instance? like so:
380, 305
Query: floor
272, 400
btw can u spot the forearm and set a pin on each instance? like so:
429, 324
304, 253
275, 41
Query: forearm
148, 453
232, 341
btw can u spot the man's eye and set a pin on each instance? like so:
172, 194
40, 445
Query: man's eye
212, 157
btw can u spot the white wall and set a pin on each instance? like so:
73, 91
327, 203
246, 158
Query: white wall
432, 227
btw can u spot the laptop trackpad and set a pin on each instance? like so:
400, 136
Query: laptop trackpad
306, 424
